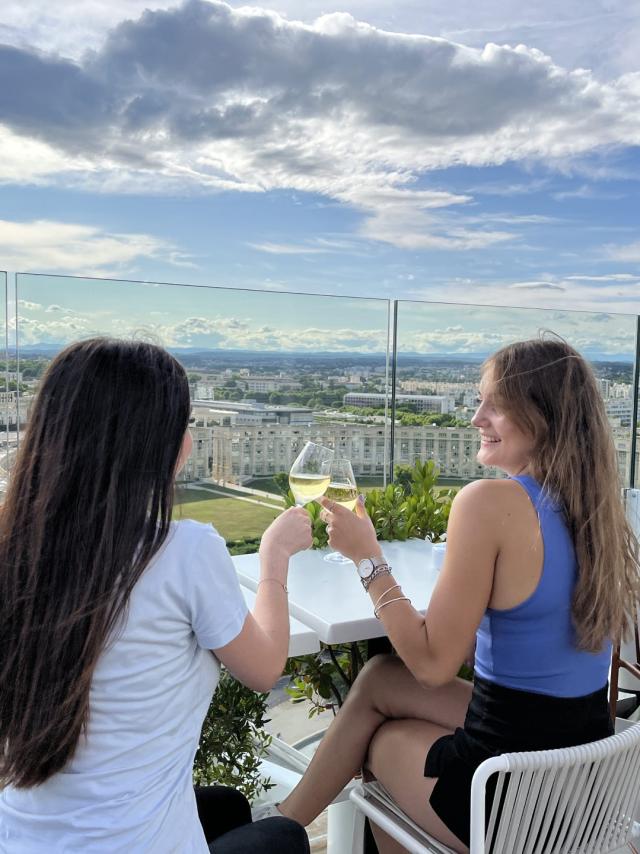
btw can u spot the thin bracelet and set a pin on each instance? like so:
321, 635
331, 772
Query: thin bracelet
286, 589
376, 612
382, 595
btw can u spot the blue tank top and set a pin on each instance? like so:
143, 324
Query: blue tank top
532, 647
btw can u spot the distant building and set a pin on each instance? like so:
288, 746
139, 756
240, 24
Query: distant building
621, 409
265, 384
9, 407
239, 446
422, 402
236, 442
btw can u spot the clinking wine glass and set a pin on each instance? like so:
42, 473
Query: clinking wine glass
309, 475
343, 490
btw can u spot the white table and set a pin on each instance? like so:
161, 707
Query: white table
302, 639
329, 598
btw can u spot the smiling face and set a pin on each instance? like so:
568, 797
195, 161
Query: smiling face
503, 443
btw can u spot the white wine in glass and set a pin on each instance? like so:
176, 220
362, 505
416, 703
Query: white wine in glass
343, 490
309, 475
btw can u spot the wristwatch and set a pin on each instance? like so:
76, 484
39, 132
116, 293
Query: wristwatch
370, 568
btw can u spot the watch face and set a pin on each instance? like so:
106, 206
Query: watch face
365, 568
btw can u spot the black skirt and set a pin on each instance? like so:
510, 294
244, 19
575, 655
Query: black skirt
503, 720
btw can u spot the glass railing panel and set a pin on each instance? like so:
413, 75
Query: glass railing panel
8, 392
635, 415
268, 371
440, 350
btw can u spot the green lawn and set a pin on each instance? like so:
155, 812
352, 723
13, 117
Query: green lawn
266, 484
232, 519
366, 484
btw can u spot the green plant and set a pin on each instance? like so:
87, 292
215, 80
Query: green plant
426, 508
387, 512
233, 739
244, 546
325, 678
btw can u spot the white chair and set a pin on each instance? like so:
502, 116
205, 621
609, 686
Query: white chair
574, 800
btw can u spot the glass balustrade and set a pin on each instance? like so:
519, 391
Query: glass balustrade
439, 352
8, 392
268, 372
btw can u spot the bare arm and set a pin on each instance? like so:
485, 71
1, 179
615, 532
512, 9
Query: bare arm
256, 657
433, 647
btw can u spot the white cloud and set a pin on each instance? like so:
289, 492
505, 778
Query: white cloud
608, 277
423, 328
602, 34
287, 249
45, 245
536, 286
206, 97
628, 253
229, 333
605, 293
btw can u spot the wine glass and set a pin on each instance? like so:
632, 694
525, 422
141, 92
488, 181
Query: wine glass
343, 490
309, 475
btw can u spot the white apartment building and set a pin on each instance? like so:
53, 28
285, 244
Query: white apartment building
622, 390
267, 384
9, 409
423, 402
415, 386
237, 453
236, 442
621, 409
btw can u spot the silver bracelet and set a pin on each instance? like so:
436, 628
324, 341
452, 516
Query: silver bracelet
382, 595
376, 611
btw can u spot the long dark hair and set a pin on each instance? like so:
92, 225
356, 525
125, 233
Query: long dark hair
546, 387
88, 505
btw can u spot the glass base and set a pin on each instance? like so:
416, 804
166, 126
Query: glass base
336, 557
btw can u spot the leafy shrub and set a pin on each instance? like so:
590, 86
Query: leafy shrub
233, 739
411, 506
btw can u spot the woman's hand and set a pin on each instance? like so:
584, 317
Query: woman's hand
352, 534
289, 533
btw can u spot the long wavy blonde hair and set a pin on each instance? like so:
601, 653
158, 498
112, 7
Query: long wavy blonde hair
549, 390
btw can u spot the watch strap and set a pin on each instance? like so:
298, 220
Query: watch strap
381, 569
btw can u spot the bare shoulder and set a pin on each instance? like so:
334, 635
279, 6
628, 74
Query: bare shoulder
490, 497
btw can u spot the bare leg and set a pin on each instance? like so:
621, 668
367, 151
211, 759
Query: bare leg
385, 690
386, 844
396, 758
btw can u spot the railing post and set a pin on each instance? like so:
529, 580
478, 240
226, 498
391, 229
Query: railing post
634, 409
394, 363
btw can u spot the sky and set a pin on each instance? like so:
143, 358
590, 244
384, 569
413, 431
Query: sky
414, 150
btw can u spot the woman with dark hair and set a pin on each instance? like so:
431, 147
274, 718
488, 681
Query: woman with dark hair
541, 571
114, 620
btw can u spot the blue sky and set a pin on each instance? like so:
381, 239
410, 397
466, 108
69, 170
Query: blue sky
414, 150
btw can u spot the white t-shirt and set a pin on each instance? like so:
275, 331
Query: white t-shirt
128, 787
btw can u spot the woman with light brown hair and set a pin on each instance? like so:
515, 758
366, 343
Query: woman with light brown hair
541, 572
